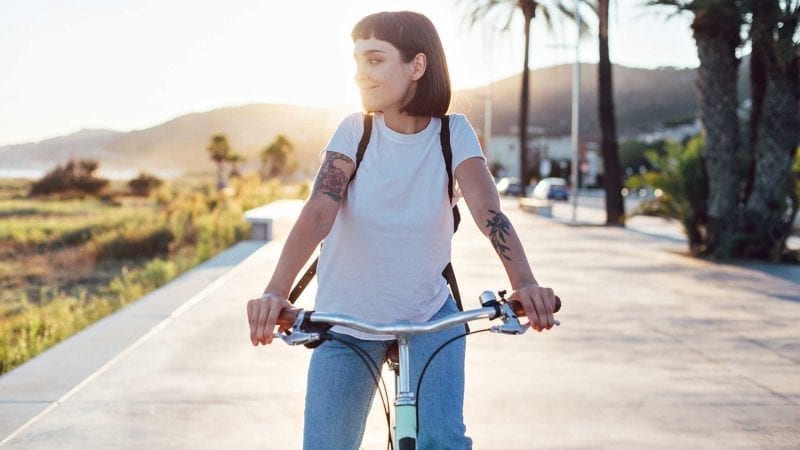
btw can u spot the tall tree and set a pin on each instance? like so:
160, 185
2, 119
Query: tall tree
480, 10
775, 126
715, 27
615, 207
235, 159
275, 158
219, 150
752, 195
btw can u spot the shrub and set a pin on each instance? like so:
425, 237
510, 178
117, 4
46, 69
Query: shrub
681, 178
145, 183
135, 241
75, 177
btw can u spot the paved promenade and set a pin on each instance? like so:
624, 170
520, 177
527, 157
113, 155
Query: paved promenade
656, 351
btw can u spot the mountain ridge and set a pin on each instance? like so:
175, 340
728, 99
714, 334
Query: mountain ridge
645, 99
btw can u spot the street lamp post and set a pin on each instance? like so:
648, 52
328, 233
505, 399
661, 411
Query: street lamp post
576, 90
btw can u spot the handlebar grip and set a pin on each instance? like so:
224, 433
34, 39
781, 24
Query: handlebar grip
520, 311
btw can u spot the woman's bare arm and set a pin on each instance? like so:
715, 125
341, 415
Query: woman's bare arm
313, 224
482, 199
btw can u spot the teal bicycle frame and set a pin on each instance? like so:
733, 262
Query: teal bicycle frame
405, 426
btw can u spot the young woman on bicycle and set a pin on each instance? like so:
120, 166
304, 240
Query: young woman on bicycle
388, 236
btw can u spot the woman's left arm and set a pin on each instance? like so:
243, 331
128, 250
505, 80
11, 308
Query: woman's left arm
483, 202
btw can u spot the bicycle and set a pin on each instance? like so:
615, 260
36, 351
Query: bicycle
309, 328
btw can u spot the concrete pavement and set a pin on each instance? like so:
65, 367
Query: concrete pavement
656, 350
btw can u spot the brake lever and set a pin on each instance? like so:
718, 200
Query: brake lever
294, 336
511, 323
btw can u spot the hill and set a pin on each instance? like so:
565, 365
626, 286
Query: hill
645, 100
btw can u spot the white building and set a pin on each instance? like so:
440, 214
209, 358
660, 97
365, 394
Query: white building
504, 150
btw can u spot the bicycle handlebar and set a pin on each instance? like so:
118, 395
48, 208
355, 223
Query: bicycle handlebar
288, 317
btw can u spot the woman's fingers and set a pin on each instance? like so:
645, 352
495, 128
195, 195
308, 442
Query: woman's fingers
539, 304
252, 318
550, 302
272, 319
262, 314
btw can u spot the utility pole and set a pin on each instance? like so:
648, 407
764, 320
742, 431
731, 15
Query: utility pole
576, 91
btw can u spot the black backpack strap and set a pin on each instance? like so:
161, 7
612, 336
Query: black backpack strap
447, 153
362, 144
312, 269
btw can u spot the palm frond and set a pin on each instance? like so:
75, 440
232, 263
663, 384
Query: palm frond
510, 18
592, 4
680, 6
548, 19
570, 13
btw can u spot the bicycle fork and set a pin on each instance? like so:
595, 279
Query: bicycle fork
405, 421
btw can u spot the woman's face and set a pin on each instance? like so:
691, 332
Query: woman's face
385, 81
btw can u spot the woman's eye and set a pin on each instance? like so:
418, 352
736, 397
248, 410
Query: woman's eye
374, 61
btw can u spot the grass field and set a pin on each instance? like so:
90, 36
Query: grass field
67, 263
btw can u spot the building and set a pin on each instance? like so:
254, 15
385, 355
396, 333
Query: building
555, 153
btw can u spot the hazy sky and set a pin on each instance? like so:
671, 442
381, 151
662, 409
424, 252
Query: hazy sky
132, 64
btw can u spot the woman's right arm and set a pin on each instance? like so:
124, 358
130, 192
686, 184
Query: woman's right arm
313, 224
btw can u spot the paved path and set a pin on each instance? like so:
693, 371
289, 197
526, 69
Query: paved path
656, 350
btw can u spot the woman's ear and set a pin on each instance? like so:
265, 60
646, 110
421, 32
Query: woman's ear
418, 66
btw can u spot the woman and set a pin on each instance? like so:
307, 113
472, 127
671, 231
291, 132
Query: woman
388, 234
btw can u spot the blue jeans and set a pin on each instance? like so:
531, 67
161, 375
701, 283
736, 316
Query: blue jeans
340, 391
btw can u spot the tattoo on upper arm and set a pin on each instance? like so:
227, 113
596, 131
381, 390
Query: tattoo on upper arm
331, 179
498, 231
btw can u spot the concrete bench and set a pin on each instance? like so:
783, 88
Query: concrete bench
536, 205
272, 219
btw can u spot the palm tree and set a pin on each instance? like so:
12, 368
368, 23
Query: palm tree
479, 10
774, 131
750, 209
615, 207
275, 157
235, 159
219, 150
716, 29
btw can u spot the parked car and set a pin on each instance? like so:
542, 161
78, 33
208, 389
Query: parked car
551, 189
509, 186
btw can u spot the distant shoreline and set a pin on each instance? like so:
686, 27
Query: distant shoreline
34, 174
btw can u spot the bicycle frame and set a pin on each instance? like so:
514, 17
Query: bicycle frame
405, 426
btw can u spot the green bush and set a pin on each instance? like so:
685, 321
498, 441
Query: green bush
73, 178
135, 241
144, 184
175, 229
680, 179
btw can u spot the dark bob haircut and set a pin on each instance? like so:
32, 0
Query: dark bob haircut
412, 33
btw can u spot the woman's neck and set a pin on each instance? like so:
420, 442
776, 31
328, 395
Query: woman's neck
405, 124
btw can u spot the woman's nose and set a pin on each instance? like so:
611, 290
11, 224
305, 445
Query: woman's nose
360, 74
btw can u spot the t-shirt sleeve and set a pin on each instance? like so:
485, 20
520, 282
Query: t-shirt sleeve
463, 140
346, 137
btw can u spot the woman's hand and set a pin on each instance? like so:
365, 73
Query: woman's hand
539, 303
263, 315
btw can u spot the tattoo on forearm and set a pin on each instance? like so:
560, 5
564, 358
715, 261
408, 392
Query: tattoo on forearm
331, 180
498, 231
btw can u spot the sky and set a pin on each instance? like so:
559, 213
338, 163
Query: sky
133, 64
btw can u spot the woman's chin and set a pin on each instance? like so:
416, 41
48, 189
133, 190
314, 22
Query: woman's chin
369, 107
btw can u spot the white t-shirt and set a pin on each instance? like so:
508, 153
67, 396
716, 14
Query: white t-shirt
383, 258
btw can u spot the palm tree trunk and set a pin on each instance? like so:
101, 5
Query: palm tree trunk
716, 32
220, 176
766, 222
524, 172
615, 207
